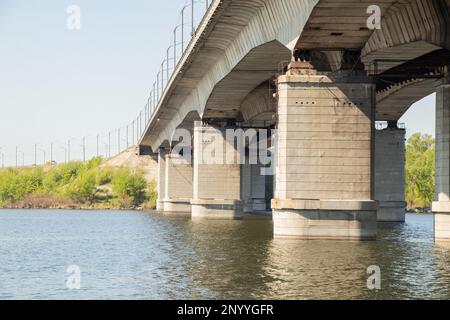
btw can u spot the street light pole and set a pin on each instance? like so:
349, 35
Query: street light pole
84, 149
68, 150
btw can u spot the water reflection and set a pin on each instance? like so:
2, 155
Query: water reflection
129, 255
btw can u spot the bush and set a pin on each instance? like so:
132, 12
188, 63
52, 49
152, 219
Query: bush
94, 163
104, 176
82, 188
152, 195
69, 171
15, 185
129, 186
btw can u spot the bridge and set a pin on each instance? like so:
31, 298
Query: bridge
319, 73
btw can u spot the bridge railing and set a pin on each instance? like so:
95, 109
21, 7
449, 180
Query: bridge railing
183, 33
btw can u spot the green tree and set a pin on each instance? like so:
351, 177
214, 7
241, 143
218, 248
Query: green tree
420, 170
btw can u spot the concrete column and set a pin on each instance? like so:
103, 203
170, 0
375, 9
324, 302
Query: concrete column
441, 208
253, 188
390, 174
161, 179
217, 184
246, 187
324, 185
178, 185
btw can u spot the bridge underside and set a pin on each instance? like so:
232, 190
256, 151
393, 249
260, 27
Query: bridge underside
335, 172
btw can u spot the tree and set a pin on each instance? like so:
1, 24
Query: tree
420, 170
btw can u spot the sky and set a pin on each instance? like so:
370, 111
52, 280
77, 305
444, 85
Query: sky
58, 84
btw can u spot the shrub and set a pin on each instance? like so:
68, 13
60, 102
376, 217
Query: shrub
82, 188
128, 185
104, 176
94, 163
152, 195
15, 185
69, 171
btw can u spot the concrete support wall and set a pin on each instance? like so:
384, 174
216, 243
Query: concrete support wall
217, 185
390, 174
441, 207
324, 179
161, 179
253, 186
178, 185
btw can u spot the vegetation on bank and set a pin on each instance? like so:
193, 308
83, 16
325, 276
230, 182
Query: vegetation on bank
420, 171
76, 185
93, 185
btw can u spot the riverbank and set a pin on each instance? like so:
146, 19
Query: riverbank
51, 202
121, 183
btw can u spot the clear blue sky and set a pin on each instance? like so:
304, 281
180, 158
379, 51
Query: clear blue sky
57, 84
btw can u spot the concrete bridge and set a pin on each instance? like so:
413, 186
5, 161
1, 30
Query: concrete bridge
316, 71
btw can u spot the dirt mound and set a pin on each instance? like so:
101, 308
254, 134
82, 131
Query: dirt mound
130, 159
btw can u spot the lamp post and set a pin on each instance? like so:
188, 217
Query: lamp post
44, 153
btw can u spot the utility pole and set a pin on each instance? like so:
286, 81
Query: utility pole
84, 149
109, 144
118, 141
192, 16
44, 153
68, 151
128, 145
132, 132
65, 154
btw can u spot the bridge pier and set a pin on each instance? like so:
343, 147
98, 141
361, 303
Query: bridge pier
441, 208
178, 184
390, 174
324, 184
217, 184
161, 186
253, 188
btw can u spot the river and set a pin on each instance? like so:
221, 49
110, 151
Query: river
139, 255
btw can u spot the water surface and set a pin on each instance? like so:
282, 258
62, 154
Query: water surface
137, 255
